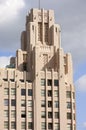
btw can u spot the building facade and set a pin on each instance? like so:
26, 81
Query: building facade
36, 89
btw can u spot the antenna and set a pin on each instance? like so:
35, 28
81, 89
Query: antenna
39, 4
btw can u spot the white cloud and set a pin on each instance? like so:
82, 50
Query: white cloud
9, 9
81, 83
84, 124
4, 61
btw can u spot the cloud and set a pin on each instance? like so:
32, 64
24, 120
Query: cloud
4, 61
81, 84
9, 9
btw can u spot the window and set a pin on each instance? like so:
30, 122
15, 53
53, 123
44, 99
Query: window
43, 114
30, 93
49, 93
23, 103
42, 92
68, 94
23, 92
6, 125
56, 93
13, 125
49, 103
73, 95
23, 114
56, 115
69, 116
6, 113
6, 102
74, 116
56, 104
13, 102
56, 126
68, 105
49, 114
29, 103
13, 91
23, 125
6, 91
24, 66
13, 113
50, 126
56, 82
43, 125
49, 82
12, 80
46, 32
39, 31
74, 106
69, 127
30, 126
30, 114
43, 82
43, 103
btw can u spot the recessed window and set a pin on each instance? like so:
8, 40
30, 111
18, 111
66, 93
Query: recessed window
69, 115
74, 106
23, 125
56, 126
49, 93
6, 113
13, 125
56, 93
13, 102
49, 82
43, 126
30, 93
13, 113
23, 114
30, 114
69, 126
49, 114
73, 95
6, 91
29, 103
30, 125
68, 94
23, 103
6, 102
43, 114
43, 103
39, 31
13, 91
56, 115
49, 103
74, 116
56, 104
68, 105
42, 92
6, 125
23, 92
42, 82
56, 82
50, 126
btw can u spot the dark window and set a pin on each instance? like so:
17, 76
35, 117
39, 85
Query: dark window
22, 80
23, 92
30, 92
73, 95
12, 80
56, 104
50, 126
49, 114
24, 66
69, 116
13, 102
23, 114
56, 115
13, 125
68, 105
49, 93
68, 94
49, 103
49, 82
30, 126
56, 82
5, 79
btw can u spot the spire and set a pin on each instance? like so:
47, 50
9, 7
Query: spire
39, 4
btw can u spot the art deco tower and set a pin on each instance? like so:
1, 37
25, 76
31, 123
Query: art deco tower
36, 89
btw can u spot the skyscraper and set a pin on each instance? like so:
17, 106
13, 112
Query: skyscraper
36, 89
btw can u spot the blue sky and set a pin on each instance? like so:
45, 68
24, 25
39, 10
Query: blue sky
71, 15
